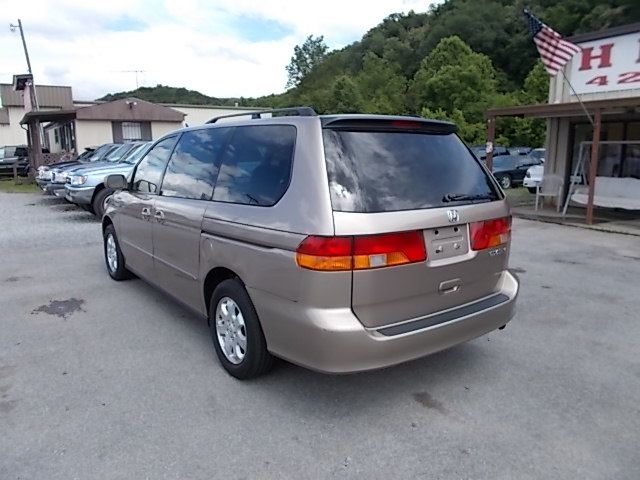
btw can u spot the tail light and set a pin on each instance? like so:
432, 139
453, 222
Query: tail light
361, 252
490, 233
325, 253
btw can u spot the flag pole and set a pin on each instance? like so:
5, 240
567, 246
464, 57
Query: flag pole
586, 112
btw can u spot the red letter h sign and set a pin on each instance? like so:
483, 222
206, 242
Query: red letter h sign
604, 57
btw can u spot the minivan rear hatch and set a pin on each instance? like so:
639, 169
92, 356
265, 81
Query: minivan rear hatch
404, 175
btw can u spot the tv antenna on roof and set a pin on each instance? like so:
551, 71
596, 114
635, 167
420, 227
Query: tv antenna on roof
136, 72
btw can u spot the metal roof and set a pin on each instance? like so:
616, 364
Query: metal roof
129, 110
49, 115
567, 109
49, 96
609, 32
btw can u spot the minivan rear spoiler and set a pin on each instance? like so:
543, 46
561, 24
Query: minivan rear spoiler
387, 124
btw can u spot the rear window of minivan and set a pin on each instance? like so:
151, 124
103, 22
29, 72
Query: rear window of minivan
385, 171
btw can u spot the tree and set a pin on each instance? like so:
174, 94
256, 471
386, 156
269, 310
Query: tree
536, 85
382, 89
453, 77
472, 133
527, 131
345, 97
305, 57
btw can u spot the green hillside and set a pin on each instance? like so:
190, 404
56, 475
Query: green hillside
166, 94
452, 62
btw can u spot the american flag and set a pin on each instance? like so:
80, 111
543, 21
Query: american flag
554, 51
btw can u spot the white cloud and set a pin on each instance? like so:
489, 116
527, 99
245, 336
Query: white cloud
215, 47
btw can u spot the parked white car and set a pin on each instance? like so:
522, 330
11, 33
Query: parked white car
533, 177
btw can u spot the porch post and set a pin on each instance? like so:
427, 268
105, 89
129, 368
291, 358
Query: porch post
491, 135
37, 145
72, 139
593, 169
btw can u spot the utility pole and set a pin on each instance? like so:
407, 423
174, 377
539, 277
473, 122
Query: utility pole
26, 54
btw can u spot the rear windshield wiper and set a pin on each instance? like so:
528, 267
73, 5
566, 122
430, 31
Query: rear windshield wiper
252, 199
460, 197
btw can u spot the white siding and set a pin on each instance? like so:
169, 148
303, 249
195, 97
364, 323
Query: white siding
92, 132
13, 134
200, 115
558, 129
623, 57
53, 146
158, 129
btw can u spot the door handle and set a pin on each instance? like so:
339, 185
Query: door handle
450, 286
159, 216
145, 213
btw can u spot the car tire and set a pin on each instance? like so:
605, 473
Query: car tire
236, 332
113, 257
532, 190
505, 181
100, 200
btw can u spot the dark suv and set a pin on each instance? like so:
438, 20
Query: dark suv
11, 154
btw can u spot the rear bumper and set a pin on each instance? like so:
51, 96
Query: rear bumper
334, 340
78, 195
531, 182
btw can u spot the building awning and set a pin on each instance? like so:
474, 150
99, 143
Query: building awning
49, 116
568, 109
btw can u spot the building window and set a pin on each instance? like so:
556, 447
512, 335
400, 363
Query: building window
131, 131
56, 136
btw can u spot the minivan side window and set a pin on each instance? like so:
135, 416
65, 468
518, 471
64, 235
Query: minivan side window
149, 171
256, 165
193, 167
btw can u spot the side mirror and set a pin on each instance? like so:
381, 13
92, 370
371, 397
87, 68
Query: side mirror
116, 182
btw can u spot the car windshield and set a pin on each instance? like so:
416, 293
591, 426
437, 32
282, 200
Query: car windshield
99, 152
135, 154
538, 154
6, 152
118, 153
385, 171
479, 152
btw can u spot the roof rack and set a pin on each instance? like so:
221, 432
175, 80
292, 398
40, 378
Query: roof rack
292, 111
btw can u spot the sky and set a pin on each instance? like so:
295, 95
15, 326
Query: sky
222, 48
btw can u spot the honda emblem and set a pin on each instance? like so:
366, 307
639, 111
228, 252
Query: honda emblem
453, 216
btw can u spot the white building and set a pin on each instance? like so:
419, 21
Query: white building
12, 109
74, 125
605, 75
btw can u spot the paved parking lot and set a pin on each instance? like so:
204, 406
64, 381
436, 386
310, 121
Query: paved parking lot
110, 380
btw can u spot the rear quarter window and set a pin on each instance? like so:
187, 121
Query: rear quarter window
256, 165
385, 171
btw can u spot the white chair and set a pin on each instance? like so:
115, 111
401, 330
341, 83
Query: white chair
550, 186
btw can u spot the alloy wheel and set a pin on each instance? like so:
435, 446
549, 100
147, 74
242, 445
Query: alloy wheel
231, 330
112, 253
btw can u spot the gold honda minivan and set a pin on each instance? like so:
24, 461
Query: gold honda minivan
341, 243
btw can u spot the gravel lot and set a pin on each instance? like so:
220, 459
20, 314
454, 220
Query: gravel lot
110, 380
